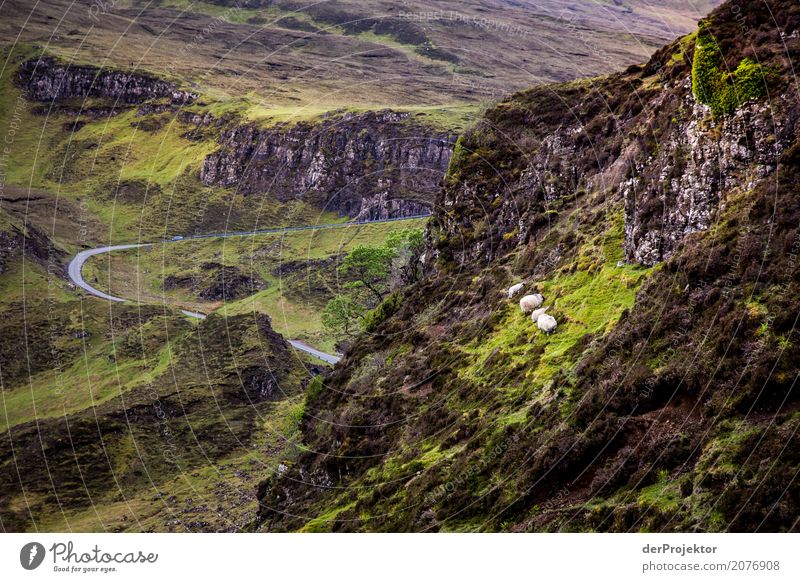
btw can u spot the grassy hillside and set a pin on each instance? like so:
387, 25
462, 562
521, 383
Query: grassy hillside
137, 174
666, 397
160, 440
296, 273
225, 394
479, 385
297, 59
133, 417
100, 372
105, 407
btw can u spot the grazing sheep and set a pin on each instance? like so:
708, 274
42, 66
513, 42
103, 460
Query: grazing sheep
547, 323
537, 313
531, 302
514, 289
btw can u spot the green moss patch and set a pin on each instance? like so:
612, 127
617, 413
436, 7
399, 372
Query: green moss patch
721, 90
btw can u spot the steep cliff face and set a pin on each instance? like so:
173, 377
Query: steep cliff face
682, 183
47, 80
665, 399
371, 165
642, 134
366, 166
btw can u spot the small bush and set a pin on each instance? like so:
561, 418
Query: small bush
456, 161
382, 312
315, 387
722, 91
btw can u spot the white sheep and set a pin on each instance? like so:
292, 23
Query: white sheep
547, 323
514, 289
537, 313
531, 302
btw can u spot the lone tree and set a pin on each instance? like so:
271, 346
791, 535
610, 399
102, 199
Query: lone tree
408, 245
369, 267
371, 273
342, 315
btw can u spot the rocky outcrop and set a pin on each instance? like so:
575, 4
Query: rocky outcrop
641, 135
229, 283
671, 185
28, 242
48, 80
367, 166
678, 188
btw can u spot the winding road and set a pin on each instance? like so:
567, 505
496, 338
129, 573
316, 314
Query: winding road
75, 267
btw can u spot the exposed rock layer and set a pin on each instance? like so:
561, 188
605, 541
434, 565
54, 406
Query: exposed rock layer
368, 166
653, 143
47, 80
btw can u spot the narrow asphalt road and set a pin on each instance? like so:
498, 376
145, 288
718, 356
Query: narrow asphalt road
330, 358
75, 268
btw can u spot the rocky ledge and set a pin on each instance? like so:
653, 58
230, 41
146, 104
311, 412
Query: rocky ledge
48, 80
369, 165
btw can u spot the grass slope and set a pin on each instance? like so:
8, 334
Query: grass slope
293, 299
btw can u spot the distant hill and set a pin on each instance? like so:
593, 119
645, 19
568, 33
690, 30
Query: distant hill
356, 53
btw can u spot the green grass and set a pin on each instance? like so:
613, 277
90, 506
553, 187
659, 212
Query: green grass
30, 282
664, 495
409, 50
586, 297
252, 107
28, 138
683, 46
194, 494
323, 523
98, 376
293, 320
159, 157
141, 272
454, 117
717, 457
